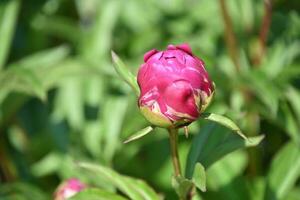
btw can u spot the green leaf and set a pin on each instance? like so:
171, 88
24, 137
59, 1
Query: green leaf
225, 122
7, 27
212, 143
43, 59
96, 194
58, 26
287, 120
294, 194
135, 189
293, 96
182, 186
279, 57
92, 136
289, 72
225, 176
226, 169
47, 165
143, 188
98, 41
21, 80
229, 145
247, 14
124, 73
31, 74
284, 172
113, 117
264, 89
21, 191
68, 69
257, 188
199, 177
72, 112
139, 134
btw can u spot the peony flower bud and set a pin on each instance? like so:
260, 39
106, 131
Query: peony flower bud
175, 87
68, 189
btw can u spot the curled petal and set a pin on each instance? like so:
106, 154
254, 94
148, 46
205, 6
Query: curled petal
185, 47
149, 54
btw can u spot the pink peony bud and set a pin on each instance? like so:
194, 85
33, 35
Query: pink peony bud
68, 189
175, 87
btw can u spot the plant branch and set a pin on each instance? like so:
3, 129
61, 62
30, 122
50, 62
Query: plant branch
230, 38
173, 135
264, 30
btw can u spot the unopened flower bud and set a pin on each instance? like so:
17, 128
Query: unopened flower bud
68, 189
175, 87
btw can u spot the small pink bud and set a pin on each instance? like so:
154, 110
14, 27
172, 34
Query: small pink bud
68, 189
175, 87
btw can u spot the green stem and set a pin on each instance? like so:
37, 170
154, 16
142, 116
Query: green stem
173, 133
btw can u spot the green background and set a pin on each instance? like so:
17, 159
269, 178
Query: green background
61, 100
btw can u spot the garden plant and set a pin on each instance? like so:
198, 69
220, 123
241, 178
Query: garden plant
149, 99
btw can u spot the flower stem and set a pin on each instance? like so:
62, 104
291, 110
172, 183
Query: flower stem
173, 133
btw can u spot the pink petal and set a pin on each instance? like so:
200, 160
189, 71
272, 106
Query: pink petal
171, 47
185, 47
149, 54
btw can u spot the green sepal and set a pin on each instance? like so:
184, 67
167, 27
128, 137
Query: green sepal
124, 73
139, 134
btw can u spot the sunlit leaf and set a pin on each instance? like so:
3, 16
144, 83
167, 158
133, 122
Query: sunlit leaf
293, 96
43, 59
289, 72
135, 189
47, 165
280, 56
21, 80
225, 122
143, 188
97, 42
91, 136
294, 194
72, 112
247, 14
7, 28
113, 118
56, 75
289, 122
264, 89
199, 177
96, 194
284, 172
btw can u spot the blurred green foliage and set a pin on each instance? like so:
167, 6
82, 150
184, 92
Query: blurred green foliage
61, 102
